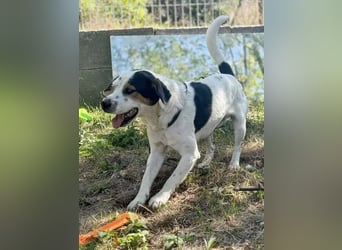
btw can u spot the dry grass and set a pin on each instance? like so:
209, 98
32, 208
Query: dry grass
204, 206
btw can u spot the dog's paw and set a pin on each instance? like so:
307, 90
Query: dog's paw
135, 203
234, 166
158, 200
205, 163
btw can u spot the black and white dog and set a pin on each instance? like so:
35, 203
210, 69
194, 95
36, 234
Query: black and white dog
177, 115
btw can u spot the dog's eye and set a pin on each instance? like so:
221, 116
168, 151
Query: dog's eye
128, 91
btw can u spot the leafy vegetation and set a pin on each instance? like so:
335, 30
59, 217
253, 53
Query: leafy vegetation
106, 14
114, 12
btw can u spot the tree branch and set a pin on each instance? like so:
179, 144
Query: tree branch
260, 187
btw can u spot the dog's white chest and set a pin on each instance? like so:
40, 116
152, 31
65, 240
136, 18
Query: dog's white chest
157, 136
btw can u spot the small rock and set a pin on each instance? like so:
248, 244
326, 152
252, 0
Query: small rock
250, 168
123, 173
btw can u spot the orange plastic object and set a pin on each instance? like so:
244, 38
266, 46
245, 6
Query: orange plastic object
120, 221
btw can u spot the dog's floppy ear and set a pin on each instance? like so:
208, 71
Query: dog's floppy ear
162, 92
149, 88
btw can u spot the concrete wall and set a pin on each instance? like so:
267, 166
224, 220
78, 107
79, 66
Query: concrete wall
95, 62
95, 66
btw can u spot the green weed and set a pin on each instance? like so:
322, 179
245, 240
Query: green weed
134, 236
210, 243
131, 136
177, 240
173, 241
100, 188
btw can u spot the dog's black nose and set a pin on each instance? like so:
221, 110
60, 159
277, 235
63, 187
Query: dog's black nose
106, 103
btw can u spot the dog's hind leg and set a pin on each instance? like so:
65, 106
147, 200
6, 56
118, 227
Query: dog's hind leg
209, 154
154, 163
239, 122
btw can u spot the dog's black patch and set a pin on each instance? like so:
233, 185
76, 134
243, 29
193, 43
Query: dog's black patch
225, 68
149, 87
203, 102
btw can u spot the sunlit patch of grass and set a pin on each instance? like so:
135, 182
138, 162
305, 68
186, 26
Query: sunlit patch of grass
96, 137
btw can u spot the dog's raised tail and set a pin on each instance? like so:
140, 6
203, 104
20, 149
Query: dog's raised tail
214, 51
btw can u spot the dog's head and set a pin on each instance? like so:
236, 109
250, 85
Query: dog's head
132, 92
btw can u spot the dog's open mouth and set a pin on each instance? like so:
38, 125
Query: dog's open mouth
123, 119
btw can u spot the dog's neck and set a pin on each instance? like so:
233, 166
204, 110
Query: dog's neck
150, 116
158, 117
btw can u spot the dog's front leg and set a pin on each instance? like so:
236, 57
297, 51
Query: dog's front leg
154, 162
186, 163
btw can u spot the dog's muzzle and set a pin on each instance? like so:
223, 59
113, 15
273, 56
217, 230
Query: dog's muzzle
108, 105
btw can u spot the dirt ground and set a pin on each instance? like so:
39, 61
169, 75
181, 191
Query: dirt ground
204, 205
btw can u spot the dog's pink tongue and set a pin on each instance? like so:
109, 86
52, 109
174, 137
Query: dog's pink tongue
117, 120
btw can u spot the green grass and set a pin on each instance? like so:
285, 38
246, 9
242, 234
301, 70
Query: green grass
96, 136
204, 213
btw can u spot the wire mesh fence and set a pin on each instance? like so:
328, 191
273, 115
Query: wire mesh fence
123, 14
